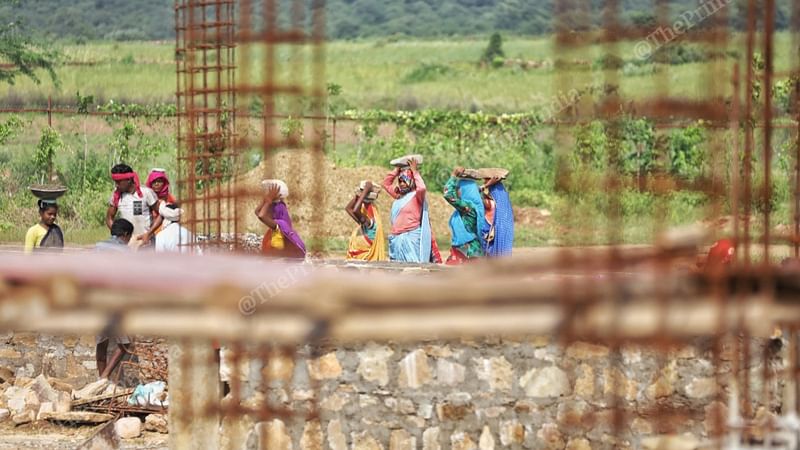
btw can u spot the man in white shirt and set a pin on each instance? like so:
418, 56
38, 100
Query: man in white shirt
134, 203
173, 237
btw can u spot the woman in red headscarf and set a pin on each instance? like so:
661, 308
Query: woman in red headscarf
159, 183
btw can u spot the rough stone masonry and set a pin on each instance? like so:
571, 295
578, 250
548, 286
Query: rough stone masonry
493, 393
522, 393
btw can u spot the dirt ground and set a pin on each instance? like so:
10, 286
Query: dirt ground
321, 214
325, 216
43, 435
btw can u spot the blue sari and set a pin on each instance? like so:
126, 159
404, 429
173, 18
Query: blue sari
461, 233
415, 245
503, 224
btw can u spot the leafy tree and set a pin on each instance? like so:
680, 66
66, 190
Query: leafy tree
494, 50
23, 53
10, 128
687, 153
49, 145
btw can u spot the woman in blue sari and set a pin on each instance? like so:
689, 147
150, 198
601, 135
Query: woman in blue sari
468, 222
500, 218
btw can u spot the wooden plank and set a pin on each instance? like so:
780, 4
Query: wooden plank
76, 417
98, 398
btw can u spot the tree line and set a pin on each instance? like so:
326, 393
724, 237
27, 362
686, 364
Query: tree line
352, 19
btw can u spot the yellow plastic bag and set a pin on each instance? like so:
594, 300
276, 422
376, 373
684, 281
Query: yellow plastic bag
276, 242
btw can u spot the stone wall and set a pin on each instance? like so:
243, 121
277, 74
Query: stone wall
529, 393
65, 357
68, 358
523, 393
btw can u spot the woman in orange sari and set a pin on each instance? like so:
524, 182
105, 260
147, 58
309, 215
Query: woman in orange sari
367, 243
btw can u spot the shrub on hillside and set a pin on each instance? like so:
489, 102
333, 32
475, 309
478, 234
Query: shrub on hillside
494, 50
425, 72
609, 62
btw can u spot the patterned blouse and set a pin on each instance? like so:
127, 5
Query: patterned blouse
471, 249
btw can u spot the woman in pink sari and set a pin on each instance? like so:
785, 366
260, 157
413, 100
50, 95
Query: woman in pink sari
411, 238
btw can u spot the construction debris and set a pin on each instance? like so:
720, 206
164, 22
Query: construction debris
128, 427
104, 438
61, 385
91, 389
58, 400
157, 423
150, 394
34, 399
23, 404
102, 397
6, 375
22, 381
77, 417
37, 399
151, 354
24, 417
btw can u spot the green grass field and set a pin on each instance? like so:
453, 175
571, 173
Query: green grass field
374, 74
406, 75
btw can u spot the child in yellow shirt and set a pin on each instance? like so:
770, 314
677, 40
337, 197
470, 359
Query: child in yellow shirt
45, 234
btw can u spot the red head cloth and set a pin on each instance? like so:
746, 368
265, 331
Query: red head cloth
163, 193
125, 176
721, 253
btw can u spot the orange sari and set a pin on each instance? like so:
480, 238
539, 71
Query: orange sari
361, 247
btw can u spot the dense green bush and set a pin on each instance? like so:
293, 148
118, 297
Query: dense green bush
677, 53
426, 72
608, 62
636, 204
49, 145
448, 139
687, 152
494, 51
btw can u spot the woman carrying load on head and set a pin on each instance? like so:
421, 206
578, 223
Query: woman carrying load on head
367, 242
411, 238
45, 235
280, 240
468, 222
500, 218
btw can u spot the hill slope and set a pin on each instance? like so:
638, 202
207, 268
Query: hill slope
153, 19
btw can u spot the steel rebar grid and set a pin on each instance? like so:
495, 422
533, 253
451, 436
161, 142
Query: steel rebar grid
208, 164
228, 55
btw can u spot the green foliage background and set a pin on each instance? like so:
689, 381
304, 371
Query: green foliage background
347, 19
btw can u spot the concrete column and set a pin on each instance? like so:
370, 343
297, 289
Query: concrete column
193, 386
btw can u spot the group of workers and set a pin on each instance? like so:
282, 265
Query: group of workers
137, 216
482, 224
